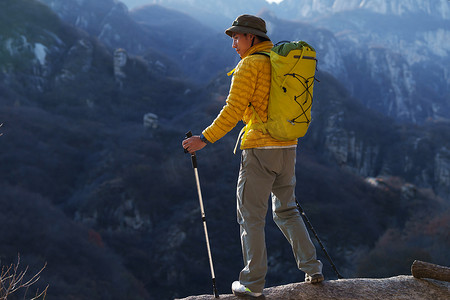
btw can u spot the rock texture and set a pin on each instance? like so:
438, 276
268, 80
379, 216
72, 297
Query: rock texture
399, 287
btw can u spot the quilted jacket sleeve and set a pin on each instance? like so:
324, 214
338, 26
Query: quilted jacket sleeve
241, 90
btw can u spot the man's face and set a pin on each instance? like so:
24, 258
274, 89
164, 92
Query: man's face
242, 42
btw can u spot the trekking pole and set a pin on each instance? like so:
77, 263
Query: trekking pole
302, 212
197, 180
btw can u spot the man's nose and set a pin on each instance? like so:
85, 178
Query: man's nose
234, 44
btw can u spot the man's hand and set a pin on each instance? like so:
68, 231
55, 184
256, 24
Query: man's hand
193, 144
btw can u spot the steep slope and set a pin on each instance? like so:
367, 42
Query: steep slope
216, 14
395, 65
108, 20
61, 109
394, 52
29, 44
168, 40
196, 48
78, 265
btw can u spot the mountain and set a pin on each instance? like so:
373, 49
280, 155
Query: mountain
216, 14
62, 107
157, 33
383, 66
95, 182
108, 20
192, 45
439, 9
396, 51
395, 59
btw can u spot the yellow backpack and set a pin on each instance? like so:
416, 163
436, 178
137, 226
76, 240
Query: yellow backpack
291, 92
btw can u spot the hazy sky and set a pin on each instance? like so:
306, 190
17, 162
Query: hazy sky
133, 3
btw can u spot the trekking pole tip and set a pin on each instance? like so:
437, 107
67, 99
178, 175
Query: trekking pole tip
216, 293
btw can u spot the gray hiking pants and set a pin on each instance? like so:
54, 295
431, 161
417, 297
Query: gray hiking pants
266, 172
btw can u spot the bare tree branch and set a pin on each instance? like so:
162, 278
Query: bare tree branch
12, 280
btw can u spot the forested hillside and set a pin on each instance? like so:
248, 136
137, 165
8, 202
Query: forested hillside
107, 197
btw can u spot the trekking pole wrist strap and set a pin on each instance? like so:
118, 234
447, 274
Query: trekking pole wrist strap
204, 139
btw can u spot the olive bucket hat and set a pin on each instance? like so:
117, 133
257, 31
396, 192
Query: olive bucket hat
248, 24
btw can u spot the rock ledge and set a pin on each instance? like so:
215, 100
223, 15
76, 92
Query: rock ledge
398, 288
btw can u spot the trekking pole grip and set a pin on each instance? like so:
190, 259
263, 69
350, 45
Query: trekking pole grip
193, 157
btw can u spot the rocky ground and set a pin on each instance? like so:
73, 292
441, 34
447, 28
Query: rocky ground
399, 287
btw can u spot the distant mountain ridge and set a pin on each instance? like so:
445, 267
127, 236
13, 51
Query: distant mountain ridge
300, 9
394, 53
311, 9
108, 20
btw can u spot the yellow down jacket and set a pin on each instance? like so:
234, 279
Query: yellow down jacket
250, 84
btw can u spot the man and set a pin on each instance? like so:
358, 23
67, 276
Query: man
267, 164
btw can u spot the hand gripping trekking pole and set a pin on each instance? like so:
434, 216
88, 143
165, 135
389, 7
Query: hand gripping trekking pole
302, 212
194, 165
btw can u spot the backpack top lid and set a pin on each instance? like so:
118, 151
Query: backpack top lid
284, 48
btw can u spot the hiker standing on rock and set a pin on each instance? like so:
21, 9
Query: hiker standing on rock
267, 165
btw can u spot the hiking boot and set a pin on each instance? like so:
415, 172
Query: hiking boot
243, 291
313, 279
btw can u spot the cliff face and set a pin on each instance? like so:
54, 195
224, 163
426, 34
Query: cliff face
108, 20
27, 53
384, 41
387, 52
394, 58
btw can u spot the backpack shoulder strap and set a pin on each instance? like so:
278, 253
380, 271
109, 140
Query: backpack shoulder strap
262, 53
250, 125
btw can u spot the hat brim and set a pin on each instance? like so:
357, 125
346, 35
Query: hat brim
242, 29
